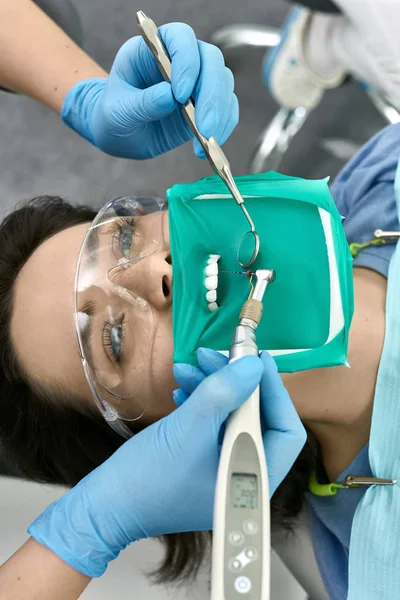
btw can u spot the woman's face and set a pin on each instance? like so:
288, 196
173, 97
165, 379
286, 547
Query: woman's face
43, 328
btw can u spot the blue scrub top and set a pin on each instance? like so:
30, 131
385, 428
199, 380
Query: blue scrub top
364, 195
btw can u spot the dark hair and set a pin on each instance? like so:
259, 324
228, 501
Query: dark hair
44, 438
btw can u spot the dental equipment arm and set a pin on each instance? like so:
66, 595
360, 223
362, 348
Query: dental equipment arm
241, 540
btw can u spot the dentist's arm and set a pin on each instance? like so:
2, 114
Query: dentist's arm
35, 573
37, 58
132, 113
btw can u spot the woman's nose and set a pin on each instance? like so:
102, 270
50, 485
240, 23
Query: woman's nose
151, 279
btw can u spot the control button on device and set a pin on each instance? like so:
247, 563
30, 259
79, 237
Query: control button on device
234, 565
243, 585
250, 527
250, 553
236, 538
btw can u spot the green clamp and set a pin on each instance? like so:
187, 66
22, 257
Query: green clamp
319, 489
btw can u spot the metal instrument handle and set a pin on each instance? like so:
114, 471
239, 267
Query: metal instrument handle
149, 32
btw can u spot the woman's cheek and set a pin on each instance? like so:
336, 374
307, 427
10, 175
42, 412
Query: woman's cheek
161, 367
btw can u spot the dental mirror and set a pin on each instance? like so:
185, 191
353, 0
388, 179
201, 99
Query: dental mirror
248, 249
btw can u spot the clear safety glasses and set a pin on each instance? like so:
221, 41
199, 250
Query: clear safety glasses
113, 319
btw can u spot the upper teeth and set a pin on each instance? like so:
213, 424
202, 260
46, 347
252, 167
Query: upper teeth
211, 281
212, 269
211, 296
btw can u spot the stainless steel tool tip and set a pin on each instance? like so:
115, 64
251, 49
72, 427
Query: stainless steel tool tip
140, 17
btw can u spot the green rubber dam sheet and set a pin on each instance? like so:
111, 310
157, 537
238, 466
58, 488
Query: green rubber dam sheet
309, 307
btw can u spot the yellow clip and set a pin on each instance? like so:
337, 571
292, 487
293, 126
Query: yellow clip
356, 247
319, 489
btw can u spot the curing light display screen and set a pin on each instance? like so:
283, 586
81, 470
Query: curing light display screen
244, 490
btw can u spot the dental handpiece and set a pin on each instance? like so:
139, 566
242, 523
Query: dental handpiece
241, 532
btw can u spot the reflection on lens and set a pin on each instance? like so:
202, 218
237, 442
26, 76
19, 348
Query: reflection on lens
108, 288
248, 249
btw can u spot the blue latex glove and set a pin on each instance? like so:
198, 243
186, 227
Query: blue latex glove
283, 433
160, 481
134, 113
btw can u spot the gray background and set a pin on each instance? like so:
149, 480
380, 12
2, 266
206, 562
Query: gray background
39, 155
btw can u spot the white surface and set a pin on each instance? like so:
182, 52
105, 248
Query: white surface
21, 502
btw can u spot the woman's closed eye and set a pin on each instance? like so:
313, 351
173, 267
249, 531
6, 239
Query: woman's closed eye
113, 340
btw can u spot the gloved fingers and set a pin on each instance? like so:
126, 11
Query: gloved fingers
278, 411
188, 377
180, 396
232, 121
151, 104
135, 64
223, 392
198, 149
281, 451
229, 127
211, 360
181, 44
214, 93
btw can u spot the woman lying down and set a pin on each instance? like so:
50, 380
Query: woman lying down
51, 428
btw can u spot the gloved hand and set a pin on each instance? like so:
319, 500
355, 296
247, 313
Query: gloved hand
163, 480
134, 113
160, 481
283, 433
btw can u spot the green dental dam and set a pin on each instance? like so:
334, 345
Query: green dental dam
307, 310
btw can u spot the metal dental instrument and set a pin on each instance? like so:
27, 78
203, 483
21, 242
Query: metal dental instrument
214, 153
389, 235
246, 273
241, 533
